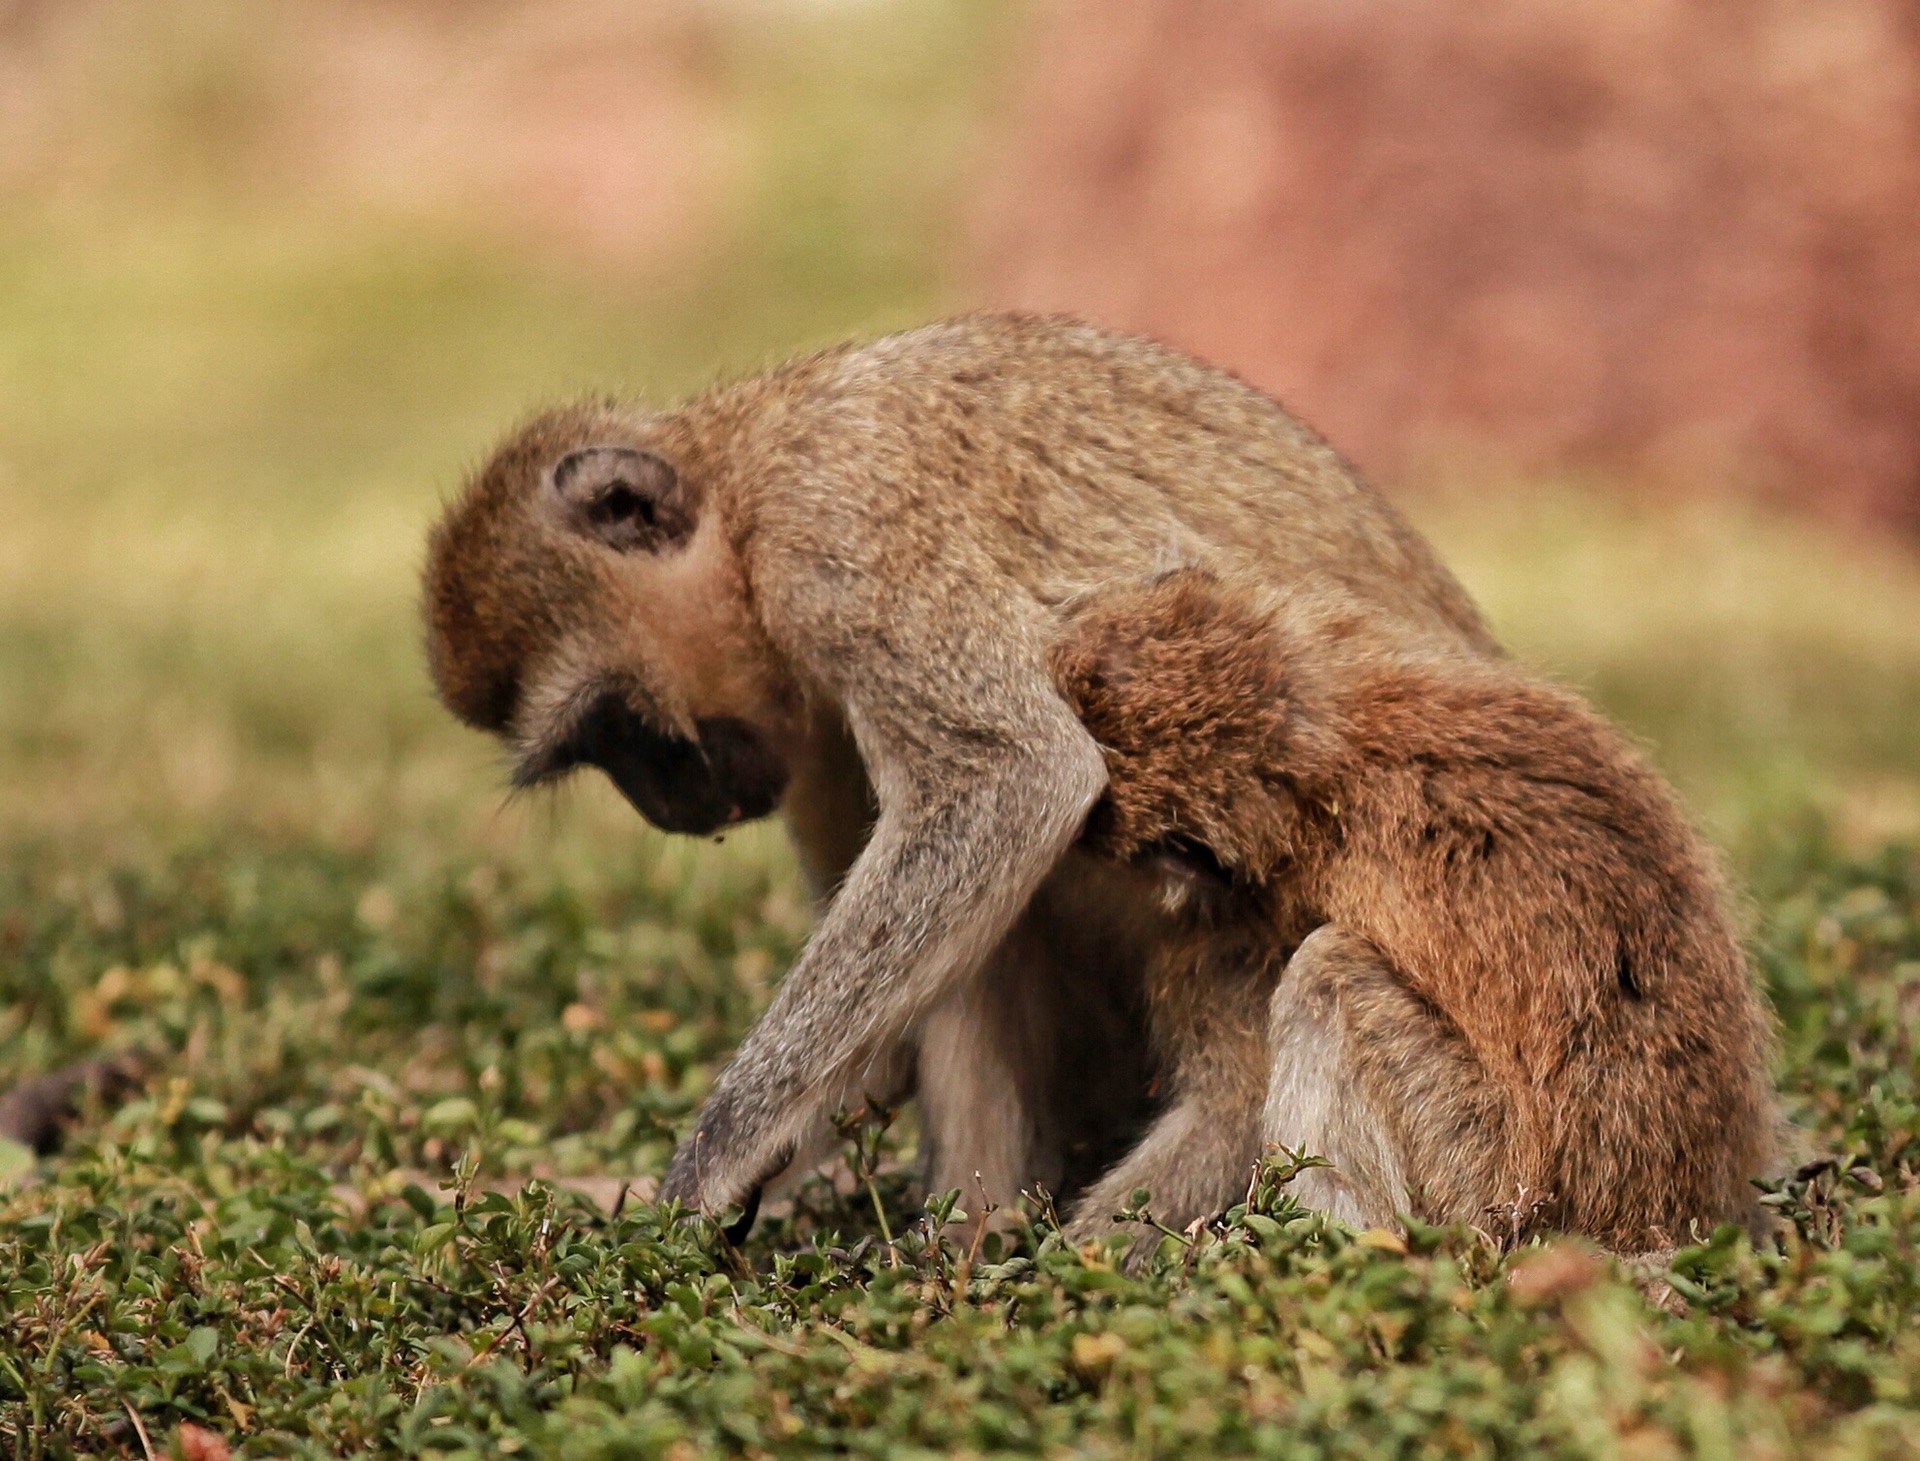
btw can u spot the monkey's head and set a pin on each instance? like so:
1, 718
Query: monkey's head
580, 606
1188, 690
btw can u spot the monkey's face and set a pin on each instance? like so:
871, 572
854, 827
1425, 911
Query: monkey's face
723, 774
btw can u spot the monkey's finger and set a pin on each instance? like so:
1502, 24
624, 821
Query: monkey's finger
681, 1180
691, 1182
736, 1232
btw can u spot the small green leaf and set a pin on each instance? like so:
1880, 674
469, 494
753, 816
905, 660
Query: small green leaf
451, 1116
1264, 1228
16, 1159
417, 1198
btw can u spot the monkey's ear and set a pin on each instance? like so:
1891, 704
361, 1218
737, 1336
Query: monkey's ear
630, 500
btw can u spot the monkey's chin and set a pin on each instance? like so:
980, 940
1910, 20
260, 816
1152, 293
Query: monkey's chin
695, 815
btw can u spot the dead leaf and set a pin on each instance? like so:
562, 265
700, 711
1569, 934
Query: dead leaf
195, 1443
1553, 1272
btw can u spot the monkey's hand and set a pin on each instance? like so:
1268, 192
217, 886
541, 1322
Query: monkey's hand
709, 1187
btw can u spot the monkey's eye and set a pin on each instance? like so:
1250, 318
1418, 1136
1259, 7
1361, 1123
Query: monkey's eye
590, 737
548, 763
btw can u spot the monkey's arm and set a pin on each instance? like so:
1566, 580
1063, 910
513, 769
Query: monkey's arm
969, 826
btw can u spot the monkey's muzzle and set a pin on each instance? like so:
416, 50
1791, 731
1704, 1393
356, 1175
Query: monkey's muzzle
724, 776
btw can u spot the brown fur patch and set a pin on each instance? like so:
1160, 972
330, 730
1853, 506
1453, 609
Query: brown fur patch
1526, 876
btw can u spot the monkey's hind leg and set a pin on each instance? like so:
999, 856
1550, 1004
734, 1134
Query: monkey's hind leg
1194, 1162
1196, 1158
1368, 1075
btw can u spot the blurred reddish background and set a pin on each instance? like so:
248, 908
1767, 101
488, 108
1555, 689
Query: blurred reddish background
598, 129
272, 270
1666, 242
1676, 241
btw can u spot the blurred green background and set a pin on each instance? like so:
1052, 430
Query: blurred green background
258, 313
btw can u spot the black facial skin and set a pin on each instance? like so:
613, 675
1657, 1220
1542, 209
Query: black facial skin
698, 787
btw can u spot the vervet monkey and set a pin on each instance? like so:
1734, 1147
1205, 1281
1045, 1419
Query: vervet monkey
833, 587
1521, 992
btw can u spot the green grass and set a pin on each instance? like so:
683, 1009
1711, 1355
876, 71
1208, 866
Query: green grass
317, 1232
236, 831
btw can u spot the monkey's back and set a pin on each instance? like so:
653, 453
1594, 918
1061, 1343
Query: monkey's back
1037, 428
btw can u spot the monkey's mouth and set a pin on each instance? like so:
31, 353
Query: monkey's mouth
724, 776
